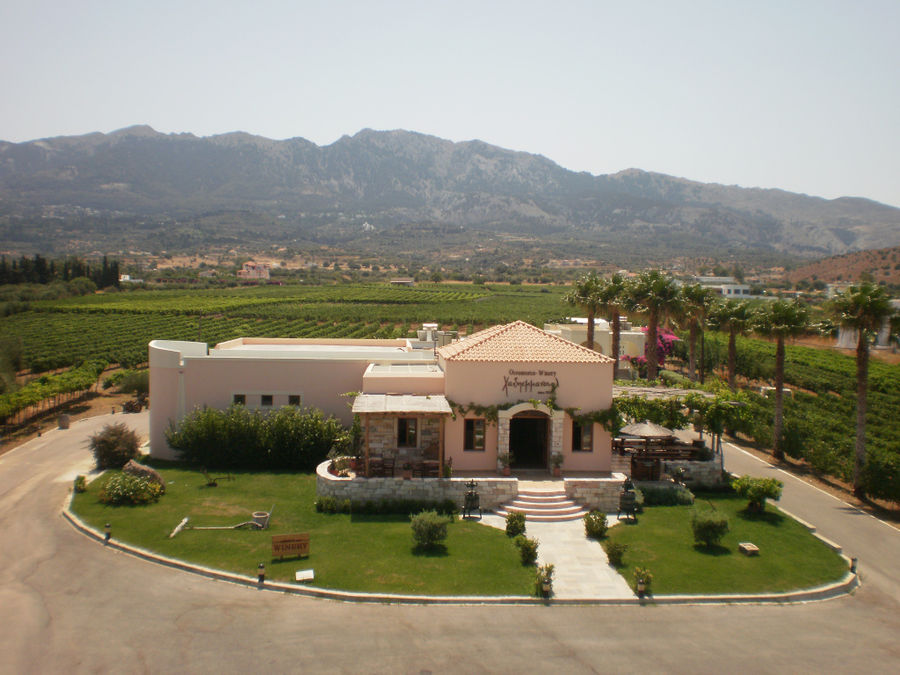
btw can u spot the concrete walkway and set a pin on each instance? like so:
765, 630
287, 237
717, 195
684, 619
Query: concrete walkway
582, 569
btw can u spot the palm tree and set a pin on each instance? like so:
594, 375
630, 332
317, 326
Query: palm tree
586, 294
863, 308
779, 320
656, 296
735, 317
697, 302
612, 298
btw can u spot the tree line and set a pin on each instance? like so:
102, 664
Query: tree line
40, 270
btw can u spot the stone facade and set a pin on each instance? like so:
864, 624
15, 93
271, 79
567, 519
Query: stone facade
621, 463
382, 435
492, 491
596, 493
697, 474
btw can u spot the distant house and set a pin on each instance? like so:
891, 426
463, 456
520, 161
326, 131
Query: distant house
725, 286
403, 281
254, 270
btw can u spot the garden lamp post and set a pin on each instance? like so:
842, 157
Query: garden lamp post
107, 533
261, 572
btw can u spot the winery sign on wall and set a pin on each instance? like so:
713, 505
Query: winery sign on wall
530, 381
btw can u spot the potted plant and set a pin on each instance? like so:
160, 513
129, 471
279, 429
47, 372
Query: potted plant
504, 459
544, 580
407, 471
642, 581
556, 460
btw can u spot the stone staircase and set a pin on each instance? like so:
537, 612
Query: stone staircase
543, 507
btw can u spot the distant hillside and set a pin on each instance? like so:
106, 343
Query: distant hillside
883, 264
137, 187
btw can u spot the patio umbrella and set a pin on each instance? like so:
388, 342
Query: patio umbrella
647, 429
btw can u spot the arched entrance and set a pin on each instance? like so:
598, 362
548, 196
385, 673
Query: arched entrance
529, 439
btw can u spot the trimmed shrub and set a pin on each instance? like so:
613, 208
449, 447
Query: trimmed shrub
515, 523
528, 549
757, 491
114, 445
332, 505
615, 552
429, 528
675, 495
595, 524
124, 489
80, 484
709, 527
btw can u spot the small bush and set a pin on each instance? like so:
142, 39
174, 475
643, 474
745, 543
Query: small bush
757, 490
124, 489
595, 524
114, 445
544, 575
528, 549
80, 484
643, 576
676, 495
615, 552
709, 527
515, 523
429, 528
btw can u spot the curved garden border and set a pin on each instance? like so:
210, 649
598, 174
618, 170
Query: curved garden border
844, 586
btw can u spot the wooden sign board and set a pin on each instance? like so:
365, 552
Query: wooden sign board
290, 545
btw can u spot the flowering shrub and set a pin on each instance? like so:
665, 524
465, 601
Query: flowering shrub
665, 345
124, 489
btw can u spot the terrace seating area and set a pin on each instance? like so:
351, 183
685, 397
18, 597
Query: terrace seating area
419, 462
648, 454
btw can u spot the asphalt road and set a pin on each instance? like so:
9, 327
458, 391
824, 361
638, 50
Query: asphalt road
69, 604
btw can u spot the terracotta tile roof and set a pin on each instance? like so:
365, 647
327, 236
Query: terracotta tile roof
519, 342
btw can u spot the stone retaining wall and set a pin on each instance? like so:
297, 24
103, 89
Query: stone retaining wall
699, 474
492, 491
596, 493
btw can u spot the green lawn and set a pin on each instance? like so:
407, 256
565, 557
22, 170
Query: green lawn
357, 553
790, 557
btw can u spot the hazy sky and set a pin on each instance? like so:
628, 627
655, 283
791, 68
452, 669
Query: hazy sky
799, 95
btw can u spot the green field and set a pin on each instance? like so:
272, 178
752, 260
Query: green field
662, 541
350, 552
117, 326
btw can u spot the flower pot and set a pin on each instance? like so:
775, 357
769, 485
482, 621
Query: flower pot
557, 472
506, 471
641, 588
546, 587
407, 475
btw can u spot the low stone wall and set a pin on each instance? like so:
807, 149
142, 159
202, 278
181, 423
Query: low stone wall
596, 493
698, 474
621, 464
492, 491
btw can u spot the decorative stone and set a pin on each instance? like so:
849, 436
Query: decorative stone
747, 548
134, 469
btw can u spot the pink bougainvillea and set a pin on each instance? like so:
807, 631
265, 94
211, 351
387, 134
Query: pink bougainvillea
665, 345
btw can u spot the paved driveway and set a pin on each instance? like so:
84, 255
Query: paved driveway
69, 605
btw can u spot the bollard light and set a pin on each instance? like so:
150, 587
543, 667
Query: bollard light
114, 410
261, 572
108, 529
853, 563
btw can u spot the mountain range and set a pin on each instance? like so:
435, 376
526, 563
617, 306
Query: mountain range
136, 185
